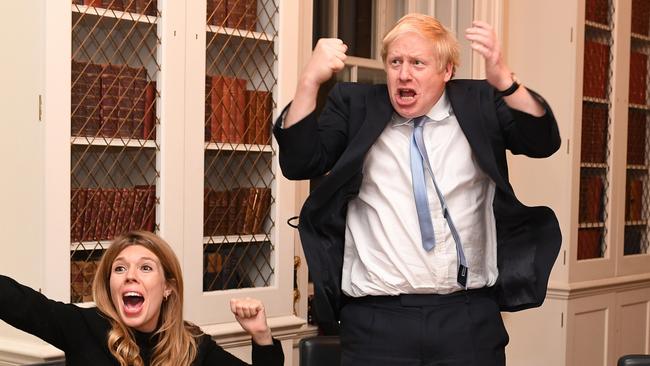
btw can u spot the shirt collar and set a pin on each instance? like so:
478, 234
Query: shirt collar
440, 111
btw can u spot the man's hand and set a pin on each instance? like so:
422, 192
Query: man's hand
252, 318
485, 42
328, 58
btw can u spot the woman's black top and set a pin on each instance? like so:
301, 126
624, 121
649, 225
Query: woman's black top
82, 333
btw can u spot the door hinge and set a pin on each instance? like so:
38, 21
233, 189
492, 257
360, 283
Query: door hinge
40, 107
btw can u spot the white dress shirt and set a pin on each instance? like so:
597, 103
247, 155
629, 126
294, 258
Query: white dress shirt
383, 247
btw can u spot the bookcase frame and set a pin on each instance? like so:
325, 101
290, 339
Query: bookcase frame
591, 302
42, 261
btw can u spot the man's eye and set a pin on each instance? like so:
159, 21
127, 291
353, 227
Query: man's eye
395, 62
418, 63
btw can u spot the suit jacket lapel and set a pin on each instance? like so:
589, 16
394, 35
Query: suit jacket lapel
466, 103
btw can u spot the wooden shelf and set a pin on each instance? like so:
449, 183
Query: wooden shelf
637, 167
216, 146
236, 239
636, 223
114, 14
594, 165
112, 141
242, 33
90, 245
595, 100
640, 106
640, 37
589, 225
598, 26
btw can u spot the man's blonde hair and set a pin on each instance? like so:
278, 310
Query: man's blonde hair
445, 44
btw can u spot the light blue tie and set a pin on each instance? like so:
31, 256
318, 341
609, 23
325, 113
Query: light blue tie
418, 157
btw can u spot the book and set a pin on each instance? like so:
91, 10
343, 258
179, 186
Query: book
638, 78
591, 199
109, 99
636, 136
593, 145
634, 199
217, 113
597, 11
149, 128
596, 70
640, 16
589, 243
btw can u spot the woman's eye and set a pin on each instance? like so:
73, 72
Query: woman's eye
119, 269
147, 268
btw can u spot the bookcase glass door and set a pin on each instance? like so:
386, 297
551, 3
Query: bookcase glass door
636, 196
114, 149
238, 177
596, 121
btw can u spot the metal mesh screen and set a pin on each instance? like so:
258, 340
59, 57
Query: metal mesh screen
594, 149
113, 129
239, 180
636, 192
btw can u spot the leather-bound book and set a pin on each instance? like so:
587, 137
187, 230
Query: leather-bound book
593, 147
596, 11
636, 136
591, 199
589, 243
596, 70
638, 77
149, 128
109, 100
217, 109
240, 123
641, 17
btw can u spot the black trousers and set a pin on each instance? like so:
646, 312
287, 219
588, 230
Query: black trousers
463, 328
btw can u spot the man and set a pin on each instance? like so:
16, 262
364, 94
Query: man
414, 238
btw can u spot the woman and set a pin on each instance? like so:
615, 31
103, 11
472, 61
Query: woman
138, 289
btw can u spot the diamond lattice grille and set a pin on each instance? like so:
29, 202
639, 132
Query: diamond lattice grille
113, 128
239, 179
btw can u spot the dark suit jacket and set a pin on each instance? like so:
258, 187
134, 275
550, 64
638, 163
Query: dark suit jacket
528, 238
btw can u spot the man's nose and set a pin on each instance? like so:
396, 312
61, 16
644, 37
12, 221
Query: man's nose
404, 72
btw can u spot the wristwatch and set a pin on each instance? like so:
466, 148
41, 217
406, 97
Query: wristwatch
510, 90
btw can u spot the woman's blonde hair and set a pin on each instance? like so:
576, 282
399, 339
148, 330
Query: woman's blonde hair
444, 42
177, 343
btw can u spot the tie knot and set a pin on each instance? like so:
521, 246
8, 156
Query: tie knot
419, 121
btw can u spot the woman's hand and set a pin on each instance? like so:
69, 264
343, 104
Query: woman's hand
251, 316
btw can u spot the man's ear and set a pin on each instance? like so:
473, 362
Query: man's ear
449, 71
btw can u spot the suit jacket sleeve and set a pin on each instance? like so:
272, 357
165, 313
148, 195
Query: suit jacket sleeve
310, 148
536, 137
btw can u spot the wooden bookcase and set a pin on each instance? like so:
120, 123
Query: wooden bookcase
125, 140
591, 65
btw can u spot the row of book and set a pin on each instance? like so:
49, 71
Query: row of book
638, 77
238, 211
112, 101
240, 14
634, 200
593, 145
633, 240
597, 11
641, 17
234, 114
82, 274
596, 69
590, 243
222, 270
591, 199
146, 7
636, 136
103, 213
